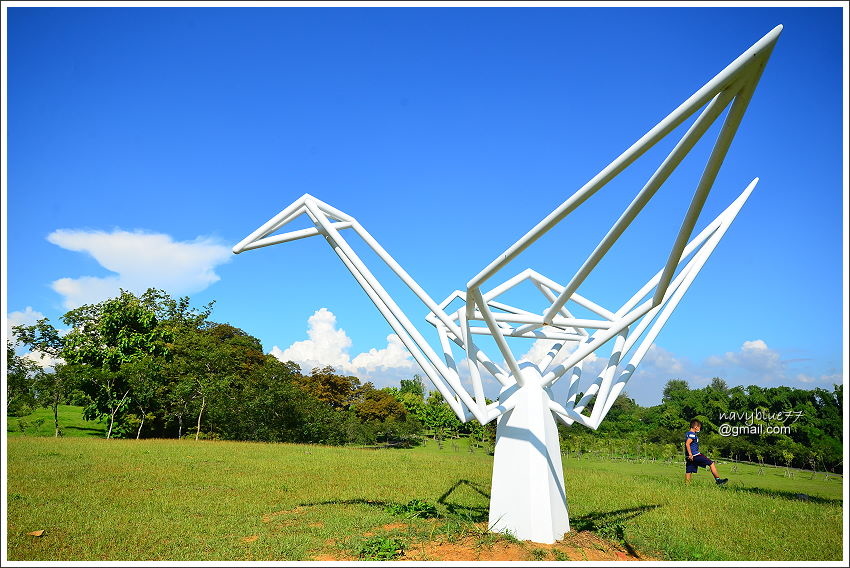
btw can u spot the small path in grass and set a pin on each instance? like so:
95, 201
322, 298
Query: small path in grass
576, 545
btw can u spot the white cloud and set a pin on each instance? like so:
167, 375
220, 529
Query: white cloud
754, 357
27, 317
394, 355
538, 350
662, 361
139, 260
754, 363
541, 347
825, 379
329, 345
43, 360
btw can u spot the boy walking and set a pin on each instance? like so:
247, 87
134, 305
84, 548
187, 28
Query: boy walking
694, 459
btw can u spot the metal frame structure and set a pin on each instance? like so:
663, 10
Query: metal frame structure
528, 497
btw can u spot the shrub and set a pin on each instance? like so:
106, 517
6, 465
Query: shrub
415, 508
381, 548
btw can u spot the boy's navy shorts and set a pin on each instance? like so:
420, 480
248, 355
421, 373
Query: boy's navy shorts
698, 461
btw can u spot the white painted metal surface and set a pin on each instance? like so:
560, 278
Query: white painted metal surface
528, 495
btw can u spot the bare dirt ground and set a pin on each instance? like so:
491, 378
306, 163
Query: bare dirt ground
581, 545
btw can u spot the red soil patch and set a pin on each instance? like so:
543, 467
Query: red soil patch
581, 546
269, 516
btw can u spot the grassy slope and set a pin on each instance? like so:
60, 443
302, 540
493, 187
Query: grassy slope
755, 517
182, 500
40, 423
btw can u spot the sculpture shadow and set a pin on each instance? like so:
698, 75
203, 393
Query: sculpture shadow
609, 524
367, 502
472, 513
790, 495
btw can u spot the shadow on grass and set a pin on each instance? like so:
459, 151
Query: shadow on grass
609, 524
790, 495
472, 513
389, 446
367, 502
87, 431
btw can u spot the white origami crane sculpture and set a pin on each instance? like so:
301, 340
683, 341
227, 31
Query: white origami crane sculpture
528, 497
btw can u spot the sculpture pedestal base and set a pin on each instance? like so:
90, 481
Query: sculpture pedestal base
528, 499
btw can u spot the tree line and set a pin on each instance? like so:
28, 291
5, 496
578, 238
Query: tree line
152, 366
813, 421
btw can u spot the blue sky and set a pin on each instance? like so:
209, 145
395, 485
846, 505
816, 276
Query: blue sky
144, 142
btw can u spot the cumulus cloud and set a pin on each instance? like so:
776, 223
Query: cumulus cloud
591, 367
43, 360
139, 261
538, 350
26, 317
754, 357
541, 347
329, 345
754, 363
662, 361
30, 316
824, 379
393, 356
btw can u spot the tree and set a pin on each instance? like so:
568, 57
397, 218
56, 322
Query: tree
270, 406
143, 377
439, 417
49, 386
675, 389
19, 373
339, 391
207, 362
106, 337
378, 405
414, 386
413, 404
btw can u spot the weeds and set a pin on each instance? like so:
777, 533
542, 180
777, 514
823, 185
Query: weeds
613, 531
415, 508
381, 548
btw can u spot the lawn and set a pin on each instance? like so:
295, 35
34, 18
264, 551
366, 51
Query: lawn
40, 423
99, 499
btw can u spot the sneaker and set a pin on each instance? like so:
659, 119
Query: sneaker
720, 480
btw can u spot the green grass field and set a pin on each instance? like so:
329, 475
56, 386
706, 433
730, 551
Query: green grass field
40, 423
101, 499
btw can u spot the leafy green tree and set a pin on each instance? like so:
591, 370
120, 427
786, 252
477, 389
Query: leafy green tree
339, 391
270, 405
378, 405
414, 386
107, 336
413, 404
20, 397
206, 363
145, 382
49, 386
675, 390
439, 417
